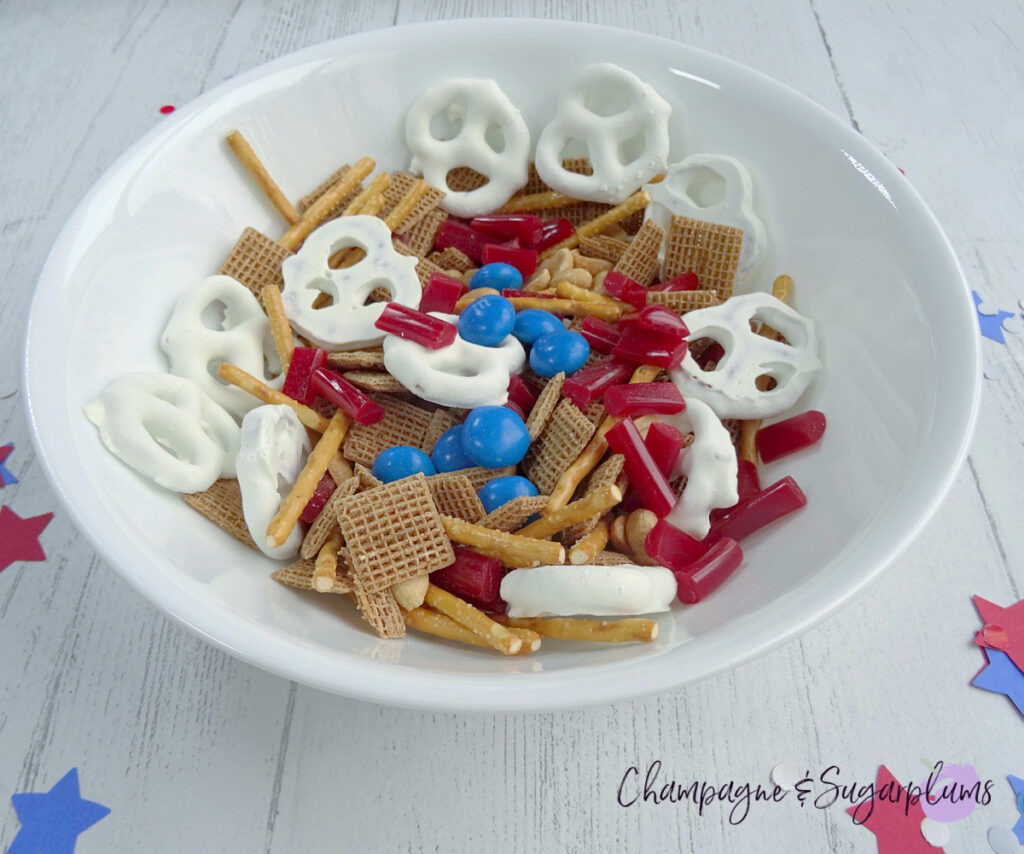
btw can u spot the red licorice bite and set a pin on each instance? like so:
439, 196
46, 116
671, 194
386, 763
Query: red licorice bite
644, 399
664, 443
352, 401
590, 383
514, 293
528, 229
460, 236
520, 394
441, 294
706, 574
650, 484
524, 260
671, 547
713, 354
601, 335
297, 384
687, 281
324, 490
748, 481
554, 231
791, 435
770, 504
430, 332
473, 577
622, 287
654, 336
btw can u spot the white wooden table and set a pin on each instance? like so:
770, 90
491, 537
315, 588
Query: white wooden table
194, 751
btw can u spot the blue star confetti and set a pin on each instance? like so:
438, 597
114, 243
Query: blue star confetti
991, 324
51, 821
6, 478
1001, 676
1018, 791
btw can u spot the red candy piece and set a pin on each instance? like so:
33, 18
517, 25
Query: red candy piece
430, 332
458, 235
771, 503
671, 547
655, 336
793, 434
589, 384
644, 399
519, 393
554, 231
441, 294
349, 399
473, 577
664, 442
526, 228
304, 361
748, 481
652, 487
324, 490
707, 573
687, 281
713, 354
524, 260
622, 287
601, 335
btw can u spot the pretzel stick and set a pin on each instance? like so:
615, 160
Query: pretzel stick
473, 296
254, 166
280, 328
603, 631
585, 549
322, 206
637, 201
589, 505
580, 294
305, 485
374, 206
572, 308
247, 382
536, 202
325, 569
591, 455
405, 205
377, 186
510, 549
435, 623
474, 619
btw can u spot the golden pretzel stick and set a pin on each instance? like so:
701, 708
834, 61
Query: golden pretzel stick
473, 296
585, 549
510, 549
305, 485
405, 205
280, 328
254, 166
474, 619
377, 186
247, 382
536, 202
589, 505
591, 455
602, 631
374, 206
634, 203
439, 625
322, 206
325, 568
353, 254
571, 308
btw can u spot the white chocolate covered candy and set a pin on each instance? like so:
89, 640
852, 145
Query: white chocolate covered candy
731, 201
731, 388
167, 428
219, 320
348, 323
462, 374
709, 465
600, 591
616, 120
273, 450
469, 123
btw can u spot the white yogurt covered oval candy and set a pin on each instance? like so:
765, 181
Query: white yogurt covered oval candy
600, 591
167, 428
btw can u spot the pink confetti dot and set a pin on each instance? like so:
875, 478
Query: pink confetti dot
167, 109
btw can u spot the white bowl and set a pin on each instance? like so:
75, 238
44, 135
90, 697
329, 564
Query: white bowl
871, 266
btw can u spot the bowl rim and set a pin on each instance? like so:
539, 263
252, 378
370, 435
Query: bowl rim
369, 680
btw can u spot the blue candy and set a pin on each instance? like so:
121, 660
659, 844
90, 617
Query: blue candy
448, 454
501, 490
560, 351
497, 275
401, 461
495, 437
534, 323
487, 321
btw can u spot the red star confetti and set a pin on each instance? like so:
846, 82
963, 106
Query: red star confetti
19, 538
895, 821
1003, 628
6, 478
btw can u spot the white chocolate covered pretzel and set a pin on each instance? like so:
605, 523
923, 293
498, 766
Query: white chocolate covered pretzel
619, 122
167, 428
273, 450
469, 123
348, 323
194, 340
462, 374
731, 388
